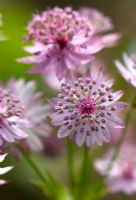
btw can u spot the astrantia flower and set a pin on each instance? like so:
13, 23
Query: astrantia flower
87, 108
4, 170
128, 69
62, 40
12, 117
122, 175
34, 109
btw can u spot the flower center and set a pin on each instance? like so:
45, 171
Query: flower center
86, 106
61, 42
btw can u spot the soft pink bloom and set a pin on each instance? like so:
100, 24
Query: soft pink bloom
128, 69
122, 175
64, 39
34, 109
86, 109
12, 118
4, 170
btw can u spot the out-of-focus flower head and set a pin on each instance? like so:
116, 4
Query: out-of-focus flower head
128, 69
122, 175
64, 39
116, 134
4, 170
53, 147
86, 108
34, 109
12, 118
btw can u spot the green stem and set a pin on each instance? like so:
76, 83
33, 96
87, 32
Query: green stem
123, 134
38, 171
70, 162
84, 167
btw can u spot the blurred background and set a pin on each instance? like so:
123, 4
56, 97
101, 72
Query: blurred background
16, 14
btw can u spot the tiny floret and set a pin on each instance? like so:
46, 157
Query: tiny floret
86, 108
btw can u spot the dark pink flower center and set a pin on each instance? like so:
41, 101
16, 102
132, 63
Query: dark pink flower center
61, 42
86, 106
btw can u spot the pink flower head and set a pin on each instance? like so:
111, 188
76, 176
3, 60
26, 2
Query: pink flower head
128, 70
122, 175
4, 170
34, 109
86, 109
12, 117
63, 39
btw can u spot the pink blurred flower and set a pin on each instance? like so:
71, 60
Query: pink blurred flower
64, 39
12, 118
34, 109
128, 69
86, 108
122, 175
4, 170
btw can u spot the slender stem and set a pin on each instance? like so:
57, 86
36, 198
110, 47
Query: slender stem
42, 176
70, 162
38, 171
84, 172
123, 134
84, 167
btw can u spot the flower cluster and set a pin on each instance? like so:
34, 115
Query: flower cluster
86, 108
64, 39
11, 117
122, 175
34, 109
63, 45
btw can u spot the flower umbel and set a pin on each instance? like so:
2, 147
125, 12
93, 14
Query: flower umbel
11, 117
86, 108
128, 70
34, 109
122, 175
63, 39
